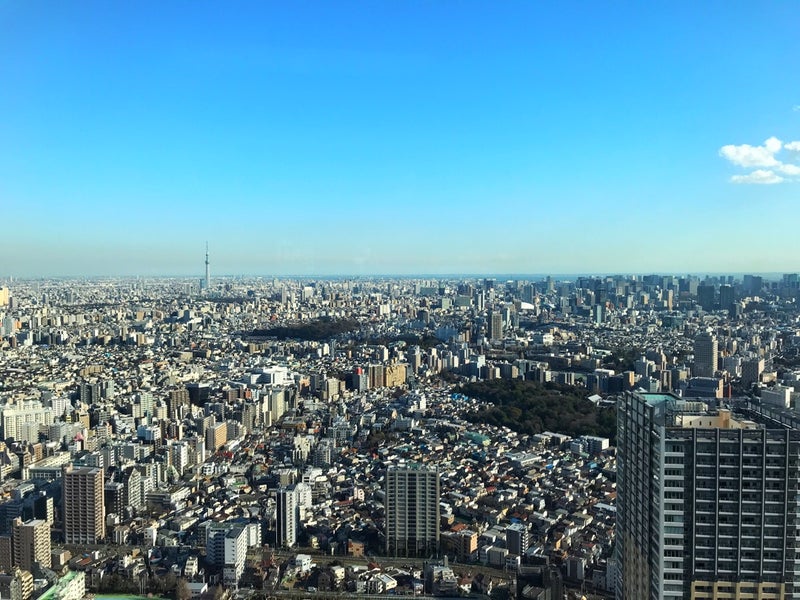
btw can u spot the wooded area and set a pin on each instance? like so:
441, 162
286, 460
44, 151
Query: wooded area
530, 407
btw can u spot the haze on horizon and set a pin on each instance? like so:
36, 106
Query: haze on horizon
398, 138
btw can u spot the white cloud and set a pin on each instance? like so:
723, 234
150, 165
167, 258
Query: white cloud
753, 156
789, 169
796, 108
759, 176
749, 157
773, 144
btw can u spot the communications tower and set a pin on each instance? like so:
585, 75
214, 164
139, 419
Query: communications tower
208, 272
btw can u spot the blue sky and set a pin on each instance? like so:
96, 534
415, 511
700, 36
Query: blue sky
398, 137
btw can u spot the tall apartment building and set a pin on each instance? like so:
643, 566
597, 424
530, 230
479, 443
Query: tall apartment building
412, 510
176, 400
83, 505
31, 544
495, 325
216, 436
751, 370
14, 416
287, 517
706, 355
226, 547
706, 501
395, 375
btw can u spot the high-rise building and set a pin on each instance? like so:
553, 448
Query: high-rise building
114, 500
727, 298
216, 436
6, 553
132, 480
751, 370
31, 544
235, 552
495, 325
226, 547
199, 393
412, 510
177, 399
287, 517
753, 284
706, 501
705, 355
706, 296
83, 505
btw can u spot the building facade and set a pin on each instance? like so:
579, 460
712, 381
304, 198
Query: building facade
31, 544
707, 501
287, 516
705, 355
412, 511
83, 505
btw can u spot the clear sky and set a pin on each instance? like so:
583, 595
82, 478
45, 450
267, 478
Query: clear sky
398, 137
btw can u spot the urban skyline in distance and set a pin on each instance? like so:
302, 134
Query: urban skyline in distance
405, 139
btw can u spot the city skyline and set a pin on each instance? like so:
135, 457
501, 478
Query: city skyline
406, 138
632, 435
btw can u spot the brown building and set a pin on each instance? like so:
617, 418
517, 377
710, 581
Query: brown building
83, 505
6, 553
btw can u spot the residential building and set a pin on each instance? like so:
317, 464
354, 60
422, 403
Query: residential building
495, 325
287, 517
706, 504
705, 355
517, 538
412, 510
31, 544
83, 505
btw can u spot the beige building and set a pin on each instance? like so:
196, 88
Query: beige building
31, 544
216, 437
395, 375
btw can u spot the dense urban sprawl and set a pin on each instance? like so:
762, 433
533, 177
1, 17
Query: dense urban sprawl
376, 436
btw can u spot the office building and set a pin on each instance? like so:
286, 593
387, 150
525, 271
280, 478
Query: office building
412, 510
707, 501
705, 355
727, 298
706, 296
31, 544
83, 505
199, 393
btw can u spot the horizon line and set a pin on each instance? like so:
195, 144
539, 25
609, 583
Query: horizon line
475, 275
